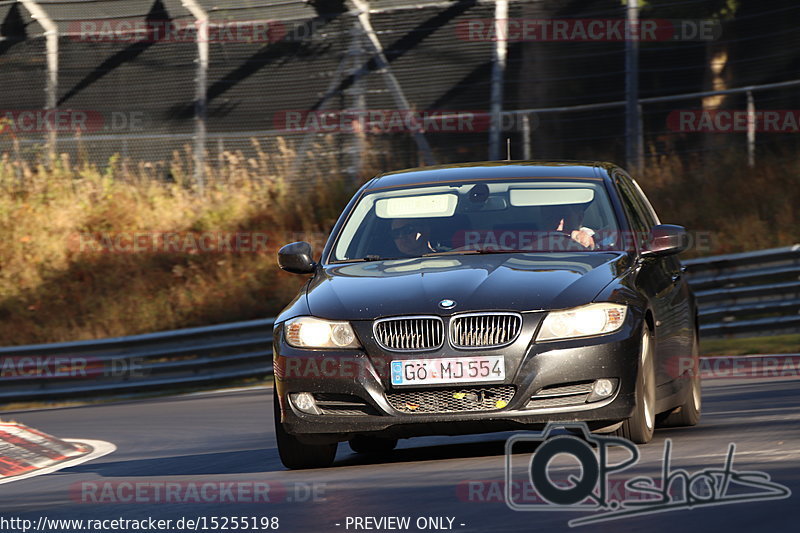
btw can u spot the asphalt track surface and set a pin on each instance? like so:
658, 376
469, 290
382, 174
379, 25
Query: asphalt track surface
228, 437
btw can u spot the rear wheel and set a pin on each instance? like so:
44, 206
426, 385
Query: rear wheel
639, 427
298, 455
688, 414
372, 445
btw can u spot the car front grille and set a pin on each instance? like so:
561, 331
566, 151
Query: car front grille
484, 330
410, 334
452, 400
560, 396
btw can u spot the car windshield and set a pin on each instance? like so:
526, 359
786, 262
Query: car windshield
479, 217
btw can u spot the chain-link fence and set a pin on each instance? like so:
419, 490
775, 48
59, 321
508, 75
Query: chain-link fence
332, 82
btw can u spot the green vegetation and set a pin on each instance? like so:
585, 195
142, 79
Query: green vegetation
751, 345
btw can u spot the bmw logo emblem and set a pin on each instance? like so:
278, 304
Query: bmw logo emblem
447, 304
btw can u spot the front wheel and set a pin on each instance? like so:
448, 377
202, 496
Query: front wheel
639, 427
296, 454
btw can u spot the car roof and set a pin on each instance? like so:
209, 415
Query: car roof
492, 170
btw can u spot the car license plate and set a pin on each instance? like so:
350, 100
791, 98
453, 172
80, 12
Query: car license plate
449, 370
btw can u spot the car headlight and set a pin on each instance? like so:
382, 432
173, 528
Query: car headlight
584, 321
310, 332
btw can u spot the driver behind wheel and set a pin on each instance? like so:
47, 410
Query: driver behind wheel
568, 219
411, 236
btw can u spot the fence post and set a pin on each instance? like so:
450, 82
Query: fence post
51, 88
200, 99
498, 74
633, 125
526, 137
751, 130
358, 103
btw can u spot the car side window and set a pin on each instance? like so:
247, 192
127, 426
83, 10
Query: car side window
635, 218
649, 214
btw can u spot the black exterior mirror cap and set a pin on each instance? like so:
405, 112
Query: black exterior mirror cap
296, 258
666, 239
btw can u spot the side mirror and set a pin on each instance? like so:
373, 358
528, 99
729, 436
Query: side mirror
296, 258
666, 239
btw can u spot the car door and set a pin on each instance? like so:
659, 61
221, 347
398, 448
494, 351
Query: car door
659, 278
681, 312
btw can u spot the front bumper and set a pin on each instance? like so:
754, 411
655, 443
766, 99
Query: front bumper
537, 367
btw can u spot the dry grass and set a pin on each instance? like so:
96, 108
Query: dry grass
744, 209
50, 291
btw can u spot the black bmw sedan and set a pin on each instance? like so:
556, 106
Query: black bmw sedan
486, 297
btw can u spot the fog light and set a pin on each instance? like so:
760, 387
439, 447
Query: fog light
304, 401
602, 388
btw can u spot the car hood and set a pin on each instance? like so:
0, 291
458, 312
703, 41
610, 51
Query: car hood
518, 282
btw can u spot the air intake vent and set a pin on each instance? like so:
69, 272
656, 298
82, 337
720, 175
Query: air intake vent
561, 396
410, 334
342, 404
452, 400
484, 330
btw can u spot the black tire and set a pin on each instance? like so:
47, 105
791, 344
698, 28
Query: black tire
639, 427
688, 414
297, 455
372, 445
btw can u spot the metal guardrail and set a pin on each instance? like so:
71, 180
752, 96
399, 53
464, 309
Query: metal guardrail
140, 363
753, 293
741, 294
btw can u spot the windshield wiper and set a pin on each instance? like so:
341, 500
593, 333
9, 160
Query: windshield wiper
451, 252
480, 251
507, 251
369, 258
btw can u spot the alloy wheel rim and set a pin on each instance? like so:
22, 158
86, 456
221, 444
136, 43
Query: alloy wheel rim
696, 392
647, 389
